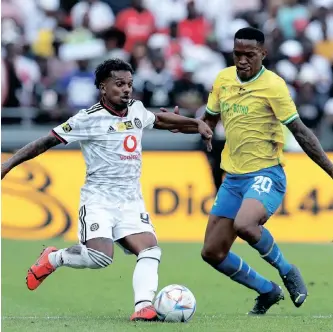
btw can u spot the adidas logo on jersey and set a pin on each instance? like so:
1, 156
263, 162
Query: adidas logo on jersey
111, 129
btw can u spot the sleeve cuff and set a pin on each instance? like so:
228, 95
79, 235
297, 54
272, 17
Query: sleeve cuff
211, 112
290, 119
62, 140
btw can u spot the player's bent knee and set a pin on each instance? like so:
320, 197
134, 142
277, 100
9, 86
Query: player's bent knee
213, 257
154, 253
97, 259
245, 232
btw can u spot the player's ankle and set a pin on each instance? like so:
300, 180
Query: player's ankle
142, 304
285, 268
53, 259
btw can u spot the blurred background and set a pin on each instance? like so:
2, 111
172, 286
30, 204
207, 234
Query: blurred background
50, 49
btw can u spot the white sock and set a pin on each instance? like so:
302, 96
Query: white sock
79, 257
145, 277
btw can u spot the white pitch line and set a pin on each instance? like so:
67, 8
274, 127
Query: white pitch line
34, 317
323, 317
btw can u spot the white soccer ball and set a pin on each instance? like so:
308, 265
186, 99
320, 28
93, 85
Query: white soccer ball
175, 303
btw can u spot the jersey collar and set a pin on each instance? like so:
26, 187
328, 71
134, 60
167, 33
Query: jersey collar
253, 78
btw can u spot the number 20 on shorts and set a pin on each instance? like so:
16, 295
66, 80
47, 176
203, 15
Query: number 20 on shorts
262, 184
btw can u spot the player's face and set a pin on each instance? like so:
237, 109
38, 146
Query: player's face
248, 56
117, 89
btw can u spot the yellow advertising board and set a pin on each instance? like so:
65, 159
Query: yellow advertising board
40, 199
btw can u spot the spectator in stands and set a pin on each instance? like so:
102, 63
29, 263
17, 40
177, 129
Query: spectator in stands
174, 50
208, 62
77, 90
288, 13
154, 85
80, 33
139, 59
114, 40
10, 84
307, 100
166, 11
137, 22
186, 93
274, 41
300, 26
324, 74
172, 46
45, 96
288, 71
321, 27
26, 69
100, 15
320, 30
195, 26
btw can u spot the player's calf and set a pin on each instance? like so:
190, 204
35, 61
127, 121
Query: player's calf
145, 277
220, 235
238, 270
271, 252
248, 227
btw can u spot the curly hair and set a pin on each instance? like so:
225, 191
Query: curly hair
103, 71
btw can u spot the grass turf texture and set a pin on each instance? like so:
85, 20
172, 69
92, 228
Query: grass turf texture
102, 300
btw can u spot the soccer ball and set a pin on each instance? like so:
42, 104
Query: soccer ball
175, 303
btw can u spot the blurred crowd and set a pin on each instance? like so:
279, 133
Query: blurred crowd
50, 49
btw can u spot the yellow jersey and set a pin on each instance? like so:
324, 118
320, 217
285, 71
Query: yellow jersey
252, 114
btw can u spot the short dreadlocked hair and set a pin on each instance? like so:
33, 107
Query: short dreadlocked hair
250, 33
103, 71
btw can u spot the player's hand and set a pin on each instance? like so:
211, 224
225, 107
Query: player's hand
204, 129
206, 133
4, 170
176, 111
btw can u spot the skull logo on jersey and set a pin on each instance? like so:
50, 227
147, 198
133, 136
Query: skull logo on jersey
94, 227
138, 123
130, 143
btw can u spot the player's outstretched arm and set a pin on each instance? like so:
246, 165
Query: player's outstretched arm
170, 121
311, 146
29, 151
210, 120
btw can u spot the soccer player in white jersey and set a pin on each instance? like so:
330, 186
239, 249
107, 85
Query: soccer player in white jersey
111, 205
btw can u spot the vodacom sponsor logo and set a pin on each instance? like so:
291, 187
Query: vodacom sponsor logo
130, 143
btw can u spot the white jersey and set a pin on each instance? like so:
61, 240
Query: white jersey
112, 150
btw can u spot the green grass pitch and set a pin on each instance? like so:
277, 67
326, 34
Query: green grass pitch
83, 300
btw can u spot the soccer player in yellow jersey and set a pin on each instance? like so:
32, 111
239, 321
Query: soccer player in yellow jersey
253, 104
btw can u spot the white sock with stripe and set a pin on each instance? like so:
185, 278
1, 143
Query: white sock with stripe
79, 257
145, 277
